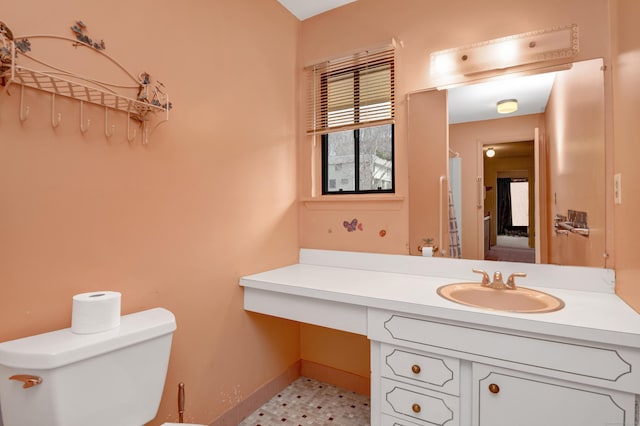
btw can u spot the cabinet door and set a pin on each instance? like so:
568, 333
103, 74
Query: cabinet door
505, 398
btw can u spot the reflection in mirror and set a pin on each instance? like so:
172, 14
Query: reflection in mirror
549, 160
509, 202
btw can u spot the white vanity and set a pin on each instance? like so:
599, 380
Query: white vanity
436, 362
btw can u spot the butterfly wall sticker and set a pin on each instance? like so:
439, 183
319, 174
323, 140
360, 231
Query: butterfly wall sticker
353, 225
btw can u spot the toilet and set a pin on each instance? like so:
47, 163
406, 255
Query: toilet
110, 378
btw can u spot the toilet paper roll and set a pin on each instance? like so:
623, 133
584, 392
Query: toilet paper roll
95, 312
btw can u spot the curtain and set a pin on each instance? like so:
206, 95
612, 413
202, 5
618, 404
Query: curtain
504, 205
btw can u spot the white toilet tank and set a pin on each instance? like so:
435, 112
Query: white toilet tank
104, 379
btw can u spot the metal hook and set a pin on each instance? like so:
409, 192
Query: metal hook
106, 123
145, 133
24, 112
135, 131
83, 128
55, 119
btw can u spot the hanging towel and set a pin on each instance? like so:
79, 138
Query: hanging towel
455, 251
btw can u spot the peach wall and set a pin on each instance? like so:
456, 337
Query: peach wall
626, 35
175, 223
344, 352
419, 27
575, 123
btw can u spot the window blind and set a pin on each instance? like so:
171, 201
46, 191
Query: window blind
352, 92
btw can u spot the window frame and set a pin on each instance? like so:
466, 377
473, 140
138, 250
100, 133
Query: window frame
356, 153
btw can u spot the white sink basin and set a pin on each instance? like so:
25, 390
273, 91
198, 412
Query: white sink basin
521, 299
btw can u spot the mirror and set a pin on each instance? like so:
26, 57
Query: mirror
549, 162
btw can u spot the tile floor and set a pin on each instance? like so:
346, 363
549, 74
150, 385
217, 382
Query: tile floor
310, 402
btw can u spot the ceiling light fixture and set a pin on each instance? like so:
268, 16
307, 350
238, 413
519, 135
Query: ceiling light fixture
507, 106
490, 153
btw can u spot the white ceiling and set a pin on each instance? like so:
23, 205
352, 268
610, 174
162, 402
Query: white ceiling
478, 102
304, 9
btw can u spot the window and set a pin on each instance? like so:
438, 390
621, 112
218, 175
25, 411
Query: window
361, 160
352, 108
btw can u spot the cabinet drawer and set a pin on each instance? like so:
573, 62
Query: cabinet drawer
386, 420
434, 372
418, 405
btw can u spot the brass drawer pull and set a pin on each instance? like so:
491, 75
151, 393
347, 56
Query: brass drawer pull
415, 368
416, 408
28, 380
493, 388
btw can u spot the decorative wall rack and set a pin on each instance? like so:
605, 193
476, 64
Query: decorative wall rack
575, 223
140, 99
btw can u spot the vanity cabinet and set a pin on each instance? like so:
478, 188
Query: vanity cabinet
428, 372
434, 362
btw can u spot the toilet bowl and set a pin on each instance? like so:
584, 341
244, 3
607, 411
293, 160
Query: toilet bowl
110, 378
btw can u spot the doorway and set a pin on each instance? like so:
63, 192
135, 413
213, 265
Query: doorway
509, 202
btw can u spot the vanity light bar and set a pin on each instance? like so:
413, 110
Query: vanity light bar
506, 52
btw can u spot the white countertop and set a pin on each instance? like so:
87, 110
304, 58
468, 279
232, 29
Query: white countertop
597, 316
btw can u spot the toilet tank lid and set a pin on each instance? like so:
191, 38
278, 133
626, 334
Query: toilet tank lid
62, 347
